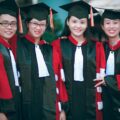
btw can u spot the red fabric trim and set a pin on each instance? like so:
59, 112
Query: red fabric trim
13, 43
3, 42
75, 42
5, 90
99, 115
57, 111
100, 63
115, 47
31, 39
100, 57
57, 65
118, 81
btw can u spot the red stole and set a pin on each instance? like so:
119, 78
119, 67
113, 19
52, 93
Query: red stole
5, 90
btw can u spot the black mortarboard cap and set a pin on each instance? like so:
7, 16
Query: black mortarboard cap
79, 9
111, 14
9, 7
39, 11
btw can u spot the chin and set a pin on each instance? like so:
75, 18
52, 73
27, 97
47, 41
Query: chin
8, 37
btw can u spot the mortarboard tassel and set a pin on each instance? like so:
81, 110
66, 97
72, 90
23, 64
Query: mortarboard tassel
51, 20
20, 27
91, 17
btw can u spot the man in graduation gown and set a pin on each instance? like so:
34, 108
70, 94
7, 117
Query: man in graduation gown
9, 83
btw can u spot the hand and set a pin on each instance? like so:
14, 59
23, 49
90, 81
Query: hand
99, 82
62, 115
3, 116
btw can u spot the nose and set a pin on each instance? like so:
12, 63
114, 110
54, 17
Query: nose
111, 25
9, 26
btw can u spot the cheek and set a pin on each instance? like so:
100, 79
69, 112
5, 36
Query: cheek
30, 29
1, 30
43, 30
15, 29
105, 27
85, 26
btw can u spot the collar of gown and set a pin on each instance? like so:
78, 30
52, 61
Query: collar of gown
75, 42
115, 47
31, 39
3, 42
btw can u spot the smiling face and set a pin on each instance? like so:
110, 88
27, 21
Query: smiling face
36, 28
8, 26
77, 26
111, 28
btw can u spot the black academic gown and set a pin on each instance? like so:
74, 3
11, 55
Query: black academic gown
38, 94
11, 107
81, 94
111, 93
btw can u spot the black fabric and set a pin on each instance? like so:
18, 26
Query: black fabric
79, 9
9, 7
111, 14
111, 94
81, 94
38, 94
39, 11
12, 107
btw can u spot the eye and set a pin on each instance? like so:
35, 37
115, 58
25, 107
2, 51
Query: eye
35, 23
115, 22
82, 22
107, 22
74, 21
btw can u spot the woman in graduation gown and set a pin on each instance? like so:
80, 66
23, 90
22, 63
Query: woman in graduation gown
39, 69
111, 92
9, 83
82, 63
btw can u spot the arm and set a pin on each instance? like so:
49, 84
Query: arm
59, 76
113, 82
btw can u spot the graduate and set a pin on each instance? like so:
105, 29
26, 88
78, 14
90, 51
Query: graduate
43, 89
9, 82
83, 60
110, 24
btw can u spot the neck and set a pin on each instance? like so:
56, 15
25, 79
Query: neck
37, 40
114, 41
79, 39
6, 40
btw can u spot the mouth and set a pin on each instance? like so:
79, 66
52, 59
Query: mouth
9, 32
37, 32
77, 30
111, 31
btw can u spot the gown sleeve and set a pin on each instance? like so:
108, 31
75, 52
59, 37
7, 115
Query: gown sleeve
5, 90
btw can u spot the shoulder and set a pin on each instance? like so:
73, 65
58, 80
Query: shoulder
57, 41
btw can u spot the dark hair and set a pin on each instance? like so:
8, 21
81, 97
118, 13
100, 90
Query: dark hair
104, 37
66, 31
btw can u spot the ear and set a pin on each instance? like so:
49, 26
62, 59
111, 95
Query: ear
102, 26
67, 22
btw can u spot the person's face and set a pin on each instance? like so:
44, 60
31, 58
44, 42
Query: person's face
37, 28
77, 26
111, 27
8, 26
